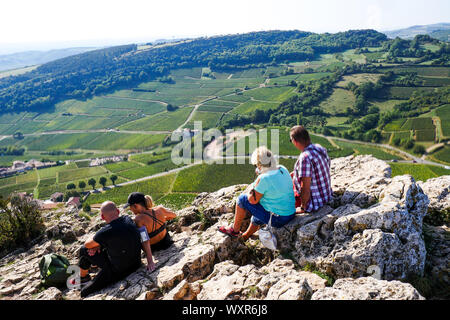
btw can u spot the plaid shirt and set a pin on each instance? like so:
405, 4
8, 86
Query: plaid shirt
314, 162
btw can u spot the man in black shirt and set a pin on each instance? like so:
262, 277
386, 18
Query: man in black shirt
115, 249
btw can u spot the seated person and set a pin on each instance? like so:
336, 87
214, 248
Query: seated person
311, 175
154, 222
115, 249
270, 192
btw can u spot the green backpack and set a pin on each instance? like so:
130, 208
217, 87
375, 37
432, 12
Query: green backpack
53, 268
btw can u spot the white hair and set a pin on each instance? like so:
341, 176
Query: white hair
264, 157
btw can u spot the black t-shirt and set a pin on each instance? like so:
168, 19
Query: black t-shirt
122, 242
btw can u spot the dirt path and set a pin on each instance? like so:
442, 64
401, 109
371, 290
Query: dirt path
189, 117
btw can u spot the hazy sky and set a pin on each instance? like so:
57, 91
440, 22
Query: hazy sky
46, 22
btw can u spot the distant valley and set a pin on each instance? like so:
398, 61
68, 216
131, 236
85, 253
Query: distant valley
31, 58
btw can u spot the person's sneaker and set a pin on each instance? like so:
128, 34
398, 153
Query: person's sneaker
229, 231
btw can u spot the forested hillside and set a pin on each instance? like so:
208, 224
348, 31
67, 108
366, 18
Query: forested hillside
99, 71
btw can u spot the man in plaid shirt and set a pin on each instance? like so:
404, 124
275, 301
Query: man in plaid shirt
311, 175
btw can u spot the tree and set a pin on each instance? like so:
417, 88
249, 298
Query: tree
18, 135
419, 149
171, 107
408, 144
86, 207
92, 182
102, 181
20, 222
71, 186
113, 179
82, 185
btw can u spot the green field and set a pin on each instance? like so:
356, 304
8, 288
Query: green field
358, 78
425, 135
250, 106
177, 201
385, 105
86, 141
418, 124
210, 178
339, 101
155, 187
420, 172
442, 155
214, 108
121, 166
208, 119
76, 174
160, 122
444, 114
379, 153
422, 71
147, 170
272, 94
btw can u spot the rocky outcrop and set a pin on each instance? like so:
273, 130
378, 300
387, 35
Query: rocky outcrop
368, 288
348, 240
374, 222
279, 280
438, 191
358, 180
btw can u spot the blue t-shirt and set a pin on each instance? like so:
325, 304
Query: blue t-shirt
278, 193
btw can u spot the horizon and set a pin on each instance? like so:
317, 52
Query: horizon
51, 25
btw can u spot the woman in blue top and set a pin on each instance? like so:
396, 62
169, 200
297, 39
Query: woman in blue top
270, 192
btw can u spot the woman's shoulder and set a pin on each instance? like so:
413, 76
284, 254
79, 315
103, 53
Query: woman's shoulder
283, 169
139, 219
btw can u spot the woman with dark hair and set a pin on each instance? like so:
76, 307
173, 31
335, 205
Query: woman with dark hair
153, 219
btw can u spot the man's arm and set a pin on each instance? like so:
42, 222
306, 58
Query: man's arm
305, 192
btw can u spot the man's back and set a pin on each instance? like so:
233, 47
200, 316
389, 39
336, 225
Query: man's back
314, 162
121, 240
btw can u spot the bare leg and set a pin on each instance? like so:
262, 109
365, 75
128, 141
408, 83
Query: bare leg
239, 215
252, 228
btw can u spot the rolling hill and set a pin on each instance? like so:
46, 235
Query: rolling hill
439, 31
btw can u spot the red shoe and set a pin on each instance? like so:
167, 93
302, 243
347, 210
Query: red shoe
229, 231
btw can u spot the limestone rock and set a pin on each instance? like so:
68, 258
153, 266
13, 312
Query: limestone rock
367, 288
438, 254
276, 281
358, 179
438, 191
50, 294
349, 240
